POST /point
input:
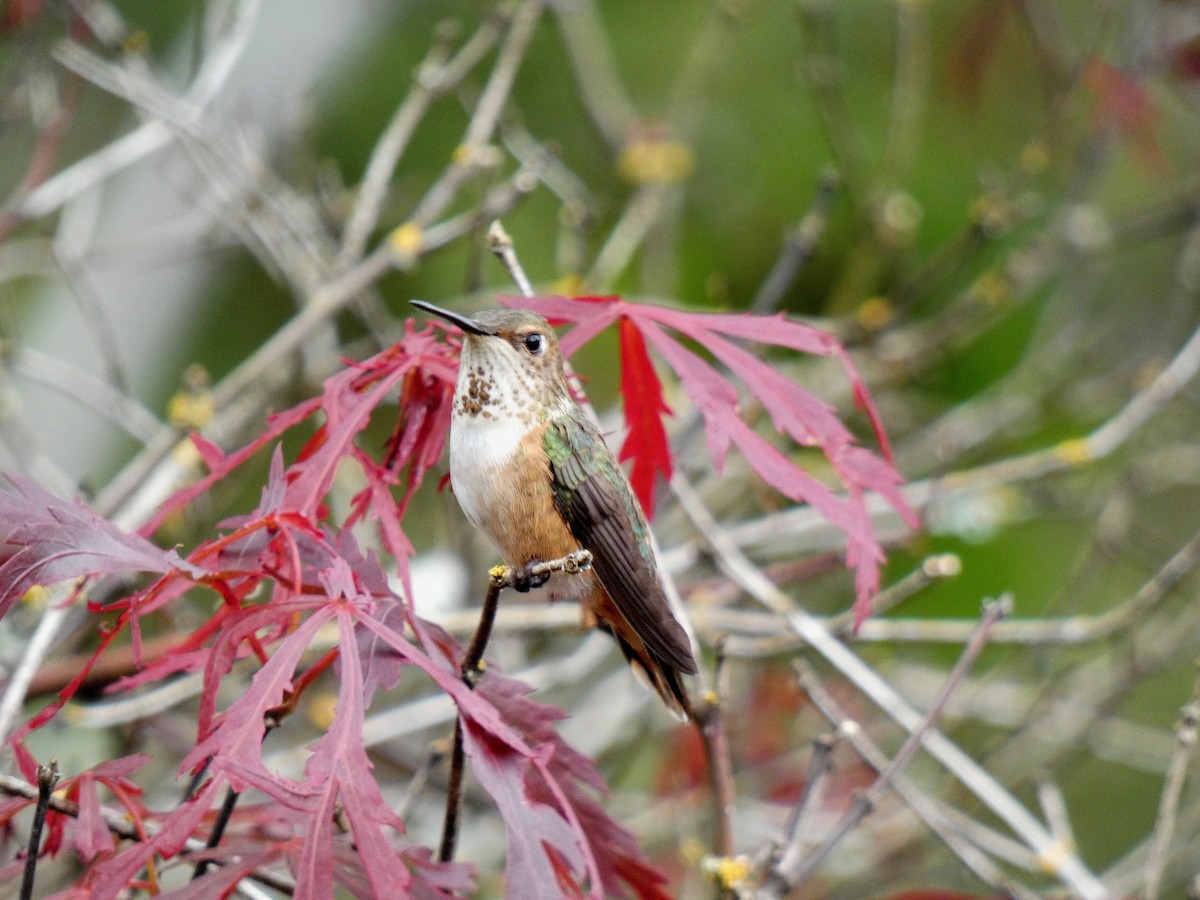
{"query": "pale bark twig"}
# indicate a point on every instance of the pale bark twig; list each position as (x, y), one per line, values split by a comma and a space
(798, 246)
(437, 74)
(1060, 861)
(866, 801)
(1168, 807)
(968, 841)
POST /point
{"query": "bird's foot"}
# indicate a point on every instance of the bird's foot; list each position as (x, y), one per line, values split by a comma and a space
(526, 578)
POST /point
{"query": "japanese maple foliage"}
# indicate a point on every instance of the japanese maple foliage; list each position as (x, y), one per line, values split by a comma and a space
(291, 568)
(795, 413)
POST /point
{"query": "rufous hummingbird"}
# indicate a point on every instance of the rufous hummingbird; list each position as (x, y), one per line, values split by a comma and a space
(533, 473)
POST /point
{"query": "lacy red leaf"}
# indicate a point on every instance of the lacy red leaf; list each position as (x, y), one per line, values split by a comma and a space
(795, 412)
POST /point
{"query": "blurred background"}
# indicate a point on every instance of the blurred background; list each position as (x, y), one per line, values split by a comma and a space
(993, 203)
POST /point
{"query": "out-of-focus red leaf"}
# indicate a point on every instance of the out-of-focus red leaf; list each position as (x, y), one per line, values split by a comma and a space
(49, 540)
(683, 763)
(529, 826)
(775, 697)
(646, 440)
(623, 869)
(338, 772)
(91, 833)
(1125, 107)
(18, 14)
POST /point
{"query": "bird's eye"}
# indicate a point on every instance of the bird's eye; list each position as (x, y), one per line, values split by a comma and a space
(535, 342)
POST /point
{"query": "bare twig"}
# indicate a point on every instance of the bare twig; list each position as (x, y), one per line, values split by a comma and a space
(485, 117)
(501, 244)
(799, 825)
(595, 71)
(710, 724)
(436, 75)
(963, 836)
(1054, 809)
(822, 71)
(47, 778)
(866, 801)
(154, 135)
(56, 612)
(1064, 864)
(224, 815)
(1168, 807)
(98, 396)
(499, 578)
(909, 88)
(640, 214)
(121, 825)
(798, 247)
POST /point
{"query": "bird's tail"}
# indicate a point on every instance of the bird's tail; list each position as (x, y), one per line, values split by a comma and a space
(649, 670)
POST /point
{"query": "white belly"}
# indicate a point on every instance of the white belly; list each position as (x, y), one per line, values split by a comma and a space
(481, 457)
(481, 451)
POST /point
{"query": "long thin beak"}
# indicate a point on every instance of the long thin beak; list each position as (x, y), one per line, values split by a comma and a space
(467, 325)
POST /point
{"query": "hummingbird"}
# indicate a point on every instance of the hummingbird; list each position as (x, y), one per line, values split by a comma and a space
(533, 473)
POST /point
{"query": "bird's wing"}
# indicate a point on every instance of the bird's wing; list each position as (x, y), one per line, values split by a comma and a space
(595, 500)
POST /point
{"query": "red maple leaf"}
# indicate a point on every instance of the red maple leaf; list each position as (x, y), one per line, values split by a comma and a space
(796, 414)
(48, 540)
(641, 395)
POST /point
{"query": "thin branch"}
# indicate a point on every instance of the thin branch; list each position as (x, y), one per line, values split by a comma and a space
(710, 724)
(120, 824)
(1054, 810)
(965, 838)
(823, 73)
(95, 395)
(909, 88)
(798, 247)
(629, 232)
(865, 801)
(485, 117)
(47, 778)
(154, 135)
(500, 243)
(1062, 862)
(224, 815)
(58, 608)
(595, 70)
(453, 796)
(471, 667)
(1168, 807)
(437, 74)
(799, 824)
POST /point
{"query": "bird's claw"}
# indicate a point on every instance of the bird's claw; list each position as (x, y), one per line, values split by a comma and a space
(526, 579)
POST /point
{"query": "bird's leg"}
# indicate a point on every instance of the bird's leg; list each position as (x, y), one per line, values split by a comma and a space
(529, 576)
